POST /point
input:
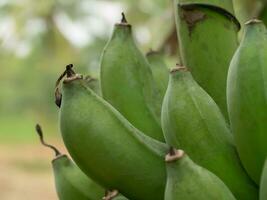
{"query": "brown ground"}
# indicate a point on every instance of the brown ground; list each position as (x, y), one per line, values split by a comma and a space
(26, 173)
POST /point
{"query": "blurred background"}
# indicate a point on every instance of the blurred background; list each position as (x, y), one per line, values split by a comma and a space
(37, 40)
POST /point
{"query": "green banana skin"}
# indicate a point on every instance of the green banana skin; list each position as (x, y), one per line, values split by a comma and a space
(263, 185)
(188, 181)
(247, 100)
(107, 147)
(71, 183)
(94, 84)
(207, 37)
(159, 70)
(127, 82)
(192, 121)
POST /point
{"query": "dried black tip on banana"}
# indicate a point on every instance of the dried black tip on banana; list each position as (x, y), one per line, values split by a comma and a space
(69, 71)
(123, 19)
(71, 75)
(58, 97)
(39, 131)
(174, 155)
(110, 194)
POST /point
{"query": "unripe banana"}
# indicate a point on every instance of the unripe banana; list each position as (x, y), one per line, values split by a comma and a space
(71, 183)
(188, 181)
(263, 185)
(192, 121)
(207, 33)
(127, 82)
(106, 146)
(159, 70)
(247, 100)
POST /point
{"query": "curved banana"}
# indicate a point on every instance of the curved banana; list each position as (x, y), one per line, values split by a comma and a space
(192, 121)
(127, 82)
(106, 146)
(71, 183)
(188, 181)
(247, 98)
(207, 33)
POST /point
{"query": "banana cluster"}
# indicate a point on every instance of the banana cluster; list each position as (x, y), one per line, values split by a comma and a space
(198, 132)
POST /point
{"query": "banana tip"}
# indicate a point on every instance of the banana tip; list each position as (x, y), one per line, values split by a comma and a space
(174, 155)
(253, 21)
(110, 194)
(179, 68)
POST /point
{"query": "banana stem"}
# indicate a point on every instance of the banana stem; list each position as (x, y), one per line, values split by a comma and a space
(70, 73)
(123, 19)
(39, 131)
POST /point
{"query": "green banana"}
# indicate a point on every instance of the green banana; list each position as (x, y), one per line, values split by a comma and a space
(106, 146)
(94, 84)
(159, 70)
(127, 82)
(192, 121)
(263, 185)
(207, 33)
(247, 100)
(188, 181)
(114, 195)
(71, 183)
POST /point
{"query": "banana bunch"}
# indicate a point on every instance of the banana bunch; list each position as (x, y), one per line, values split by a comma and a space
(143, 133)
